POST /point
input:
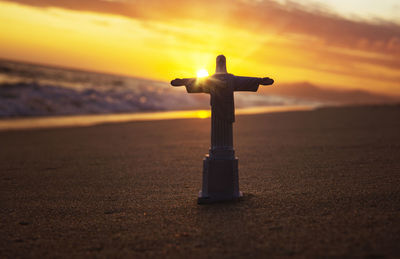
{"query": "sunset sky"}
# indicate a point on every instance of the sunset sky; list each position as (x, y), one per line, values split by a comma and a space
(353, 44)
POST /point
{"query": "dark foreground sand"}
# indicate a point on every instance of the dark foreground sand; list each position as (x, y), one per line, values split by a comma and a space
(317, 183)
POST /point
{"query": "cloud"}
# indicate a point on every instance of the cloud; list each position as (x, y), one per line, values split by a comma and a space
(257, 16)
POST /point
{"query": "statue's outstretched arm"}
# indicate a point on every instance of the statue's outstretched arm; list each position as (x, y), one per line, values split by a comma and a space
(266, 81)
(193, 85)
(183, 81)
(244, 83)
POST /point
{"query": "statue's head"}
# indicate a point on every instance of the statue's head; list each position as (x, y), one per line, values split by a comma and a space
(221, 64)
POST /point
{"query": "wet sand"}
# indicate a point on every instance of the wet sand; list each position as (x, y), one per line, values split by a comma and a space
(316, 183)
(41, 122)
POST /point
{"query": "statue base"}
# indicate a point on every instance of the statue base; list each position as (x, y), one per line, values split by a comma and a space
(220, 180)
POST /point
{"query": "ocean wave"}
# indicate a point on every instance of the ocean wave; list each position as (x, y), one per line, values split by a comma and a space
(37, 90)
(33, 99)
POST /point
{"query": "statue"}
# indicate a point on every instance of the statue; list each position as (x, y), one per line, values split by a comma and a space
(220, 166)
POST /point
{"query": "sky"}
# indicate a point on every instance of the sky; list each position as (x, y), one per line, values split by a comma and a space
(353, 44)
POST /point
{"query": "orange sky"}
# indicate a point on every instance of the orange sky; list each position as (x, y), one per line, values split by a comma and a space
(165, 39)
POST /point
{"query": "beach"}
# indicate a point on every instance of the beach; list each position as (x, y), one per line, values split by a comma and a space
(316, 183)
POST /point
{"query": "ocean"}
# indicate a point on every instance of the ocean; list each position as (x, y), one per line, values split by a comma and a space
(31, 90)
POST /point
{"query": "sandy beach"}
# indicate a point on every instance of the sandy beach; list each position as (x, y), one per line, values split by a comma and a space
(316, 183)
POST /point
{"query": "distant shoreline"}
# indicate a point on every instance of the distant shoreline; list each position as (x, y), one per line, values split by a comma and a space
(94, 119)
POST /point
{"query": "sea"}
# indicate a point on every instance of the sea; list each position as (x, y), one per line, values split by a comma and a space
(31, 91)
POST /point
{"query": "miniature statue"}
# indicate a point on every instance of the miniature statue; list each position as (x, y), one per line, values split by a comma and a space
(220, 166)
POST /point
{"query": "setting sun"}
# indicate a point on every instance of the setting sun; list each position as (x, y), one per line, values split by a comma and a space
(202, 73)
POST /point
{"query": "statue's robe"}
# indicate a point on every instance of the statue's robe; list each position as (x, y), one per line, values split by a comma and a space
(221, 87)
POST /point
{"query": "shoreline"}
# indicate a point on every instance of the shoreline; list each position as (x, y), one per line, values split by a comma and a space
(95, 119)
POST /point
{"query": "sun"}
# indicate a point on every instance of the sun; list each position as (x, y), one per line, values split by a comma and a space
(202, 73)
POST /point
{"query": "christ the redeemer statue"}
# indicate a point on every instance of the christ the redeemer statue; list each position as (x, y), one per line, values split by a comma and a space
(220, 166)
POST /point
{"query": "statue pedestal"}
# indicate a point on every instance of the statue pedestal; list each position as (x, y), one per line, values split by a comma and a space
(220, 180)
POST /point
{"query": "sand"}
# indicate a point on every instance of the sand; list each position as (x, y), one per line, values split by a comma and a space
(316, 183)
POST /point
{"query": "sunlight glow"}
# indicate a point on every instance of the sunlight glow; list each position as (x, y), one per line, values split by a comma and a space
(202, 114)
(202, 73)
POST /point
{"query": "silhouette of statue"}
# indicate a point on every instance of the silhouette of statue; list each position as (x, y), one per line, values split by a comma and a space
(220, 172)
